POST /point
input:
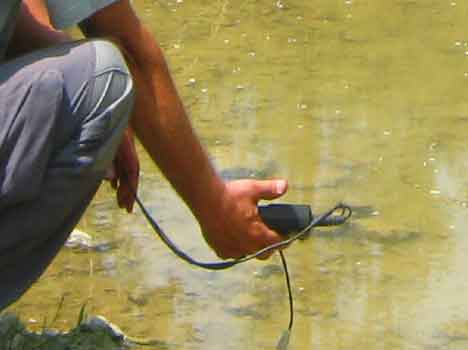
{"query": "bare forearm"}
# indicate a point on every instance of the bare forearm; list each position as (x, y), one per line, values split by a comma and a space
(159, 118)
(164, 129)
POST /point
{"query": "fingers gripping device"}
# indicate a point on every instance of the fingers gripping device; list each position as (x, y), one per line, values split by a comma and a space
(289, 218)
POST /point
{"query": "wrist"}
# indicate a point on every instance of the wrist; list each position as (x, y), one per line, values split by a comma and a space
(210, 205)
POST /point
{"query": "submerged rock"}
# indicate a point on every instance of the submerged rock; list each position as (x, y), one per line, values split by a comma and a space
(82, 241)
(364, 211)
(269, 270)
(245, 311)
(101, 324)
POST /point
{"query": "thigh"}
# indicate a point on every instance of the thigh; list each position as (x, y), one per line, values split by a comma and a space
(62, 116)
(62, 110)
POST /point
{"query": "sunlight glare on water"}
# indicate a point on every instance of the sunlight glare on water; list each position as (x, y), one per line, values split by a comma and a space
(357, 101)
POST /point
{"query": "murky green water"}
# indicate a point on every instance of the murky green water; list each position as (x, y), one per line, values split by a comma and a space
(360, 101)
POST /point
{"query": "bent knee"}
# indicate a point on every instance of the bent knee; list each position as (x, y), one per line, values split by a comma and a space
(107, 108)
(113, 84)
(109, 57)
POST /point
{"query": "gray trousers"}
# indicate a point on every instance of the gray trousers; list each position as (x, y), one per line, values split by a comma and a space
(63, 111)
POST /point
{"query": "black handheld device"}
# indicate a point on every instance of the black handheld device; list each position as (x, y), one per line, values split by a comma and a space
(289, 218)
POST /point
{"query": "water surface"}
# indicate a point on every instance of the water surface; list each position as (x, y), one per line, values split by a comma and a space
(356, 101)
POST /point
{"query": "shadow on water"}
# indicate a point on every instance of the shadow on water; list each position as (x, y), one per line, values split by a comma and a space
(359, 233)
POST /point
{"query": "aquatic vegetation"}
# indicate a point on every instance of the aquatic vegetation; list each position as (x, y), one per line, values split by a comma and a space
(15, 336)
(94, 333)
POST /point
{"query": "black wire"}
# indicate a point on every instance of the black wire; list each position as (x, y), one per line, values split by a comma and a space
(222, 265)
(288, 284)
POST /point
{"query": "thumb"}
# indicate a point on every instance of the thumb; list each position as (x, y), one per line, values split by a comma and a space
(271, 189)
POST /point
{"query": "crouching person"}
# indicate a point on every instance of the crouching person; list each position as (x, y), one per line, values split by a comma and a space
(64, 111)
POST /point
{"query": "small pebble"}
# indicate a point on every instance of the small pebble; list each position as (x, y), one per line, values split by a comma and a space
(280, 4)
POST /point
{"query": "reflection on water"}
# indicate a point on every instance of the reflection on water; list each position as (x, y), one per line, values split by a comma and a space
(358, 101)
